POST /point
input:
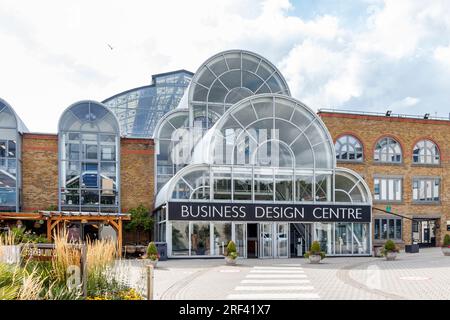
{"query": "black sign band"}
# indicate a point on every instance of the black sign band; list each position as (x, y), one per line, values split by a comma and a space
(207, 211)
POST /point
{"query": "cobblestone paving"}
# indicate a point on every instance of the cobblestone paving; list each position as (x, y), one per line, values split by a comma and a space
(425, 275)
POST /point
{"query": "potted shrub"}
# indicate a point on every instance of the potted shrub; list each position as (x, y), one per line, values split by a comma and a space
(446, 245)
(232, 254)
(152, 254)
(390, 250)
(315, 255)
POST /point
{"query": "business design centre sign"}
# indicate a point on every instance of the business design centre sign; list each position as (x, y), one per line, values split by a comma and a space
(206, 211)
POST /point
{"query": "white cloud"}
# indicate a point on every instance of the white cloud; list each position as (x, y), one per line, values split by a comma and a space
(442, 55)
(54, 54)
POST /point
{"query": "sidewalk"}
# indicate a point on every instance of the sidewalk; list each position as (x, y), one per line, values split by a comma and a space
(425, 275)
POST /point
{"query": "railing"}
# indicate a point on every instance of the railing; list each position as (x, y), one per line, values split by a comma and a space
(385, 114)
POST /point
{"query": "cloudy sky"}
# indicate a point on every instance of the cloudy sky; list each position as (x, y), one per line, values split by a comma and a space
(350, 54)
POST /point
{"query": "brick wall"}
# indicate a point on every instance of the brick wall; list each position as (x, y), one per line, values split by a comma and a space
(39, 171)
(369, 129)
(137, 178)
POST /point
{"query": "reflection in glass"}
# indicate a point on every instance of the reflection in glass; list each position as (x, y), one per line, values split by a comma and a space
(180, 238)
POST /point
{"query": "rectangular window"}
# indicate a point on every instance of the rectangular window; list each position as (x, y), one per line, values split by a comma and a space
(426, 189)
(388, 228)
(387, 189)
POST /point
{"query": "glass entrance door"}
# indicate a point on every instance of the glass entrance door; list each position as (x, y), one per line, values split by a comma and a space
(282, 240)
(239, 236)
(266, 240)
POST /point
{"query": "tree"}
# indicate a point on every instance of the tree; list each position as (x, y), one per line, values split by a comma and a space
(140, 220)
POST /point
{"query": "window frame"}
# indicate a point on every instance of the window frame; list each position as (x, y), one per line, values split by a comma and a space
(425, 179)
(380, 192)
(435, 156)
(346, 143)
(378, 221)
(389, 146)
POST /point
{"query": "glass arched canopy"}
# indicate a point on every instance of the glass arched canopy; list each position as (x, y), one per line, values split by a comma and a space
(268, 130)
(170, 132)
(235, 183)
(89, 161)
(266, 148)
(11, 128)
(227, 78)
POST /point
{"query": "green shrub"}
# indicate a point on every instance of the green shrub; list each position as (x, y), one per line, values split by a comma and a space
(231, 247)
(389, 246)
(315, 250)
(152, 251)
(447, 240)
(231, 250)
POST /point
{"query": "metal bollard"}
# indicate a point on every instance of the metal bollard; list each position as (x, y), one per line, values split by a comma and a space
(150, 271)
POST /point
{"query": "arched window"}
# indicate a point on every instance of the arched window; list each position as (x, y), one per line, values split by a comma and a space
(388, 150)
(10, 158)
(426, 152)
(89, 158)
(226, 79)
(348, 148)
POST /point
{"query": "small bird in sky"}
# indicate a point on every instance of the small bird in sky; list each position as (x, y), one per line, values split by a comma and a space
(110, 46)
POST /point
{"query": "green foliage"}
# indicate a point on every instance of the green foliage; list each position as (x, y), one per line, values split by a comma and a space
(231, 250)
(315, 250)
(152, 251)
(447, 240)
(20, 235)
(140, 219)
(389, 246)
(231, 247)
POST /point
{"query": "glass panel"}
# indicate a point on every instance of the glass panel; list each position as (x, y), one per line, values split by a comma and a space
(200, 239)
(242, 185)
(343, 238)
(266, 239)
(283, 188)
(303, 188)
(222, 235)
(89, 197)
(2, 149)
(11, 149)
(222, 185)
(70, 197)
(7, 197)
(240, 238)
(282, 239)
(398, 229)
(180, 238)
(264, 187)
(361, 238)
(324, 234)
(323, 186)
(391, 229)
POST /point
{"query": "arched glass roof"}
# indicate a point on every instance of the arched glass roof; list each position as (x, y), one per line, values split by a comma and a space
(199, 183)
(89, 116)
(227, 78)
(9, 118)
(270, 130)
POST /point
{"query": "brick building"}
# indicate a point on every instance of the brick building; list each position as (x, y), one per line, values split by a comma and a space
(86, 175)
(405, 161)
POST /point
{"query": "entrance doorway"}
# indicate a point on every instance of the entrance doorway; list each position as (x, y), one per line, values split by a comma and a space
(301, 236)
(424, 232)
(252, 240)
(274, 240)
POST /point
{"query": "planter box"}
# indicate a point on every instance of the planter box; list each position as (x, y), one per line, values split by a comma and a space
(390, 256)
(230, 261)
(412, 248)
(446, 251)
(10, 254)
(314, 258)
